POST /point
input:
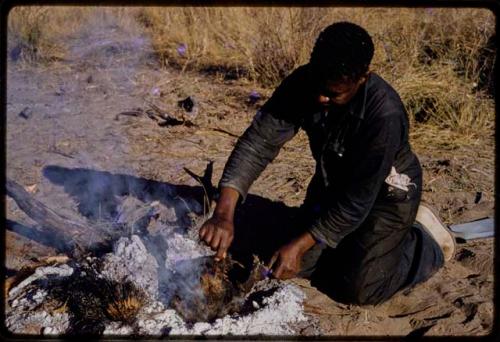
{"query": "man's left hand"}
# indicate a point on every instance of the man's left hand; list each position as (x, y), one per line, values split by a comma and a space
(286, 262)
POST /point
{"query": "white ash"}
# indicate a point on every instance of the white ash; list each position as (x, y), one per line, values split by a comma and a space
(160, 323)
(42, 272)
(276, 314)
(182, 248)
(21, 322)
(130, 260)
(276, 317)
(117, 328)
(25, 315)
(32, 299)
(58, 326)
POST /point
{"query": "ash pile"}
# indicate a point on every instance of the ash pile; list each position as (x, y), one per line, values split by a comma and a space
(155, 279)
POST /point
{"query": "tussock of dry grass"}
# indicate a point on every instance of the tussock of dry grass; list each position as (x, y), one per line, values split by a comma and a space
(124, 309)
(438, 96)
(35, 33)
(260, 43)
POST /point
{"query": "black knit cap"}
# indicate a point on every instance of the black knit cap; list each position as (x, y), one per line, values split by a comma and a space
(342, 49)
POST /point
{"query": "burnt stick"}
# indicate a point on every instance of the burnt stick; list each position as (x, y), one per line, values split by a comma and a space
(70, 231)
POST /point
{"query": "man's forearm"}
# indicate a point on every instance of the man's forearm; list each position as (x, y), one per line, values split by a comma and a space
(226, 204)
(305, 241)
(254, 150)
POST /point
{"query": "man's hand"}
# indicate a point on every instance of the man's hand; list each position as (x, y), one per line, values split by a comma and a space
(286, 262)
(218, 233)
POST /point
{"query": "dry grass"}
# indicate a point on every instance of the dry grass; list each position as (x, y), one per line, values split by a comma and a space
(440, 60)
(124, 300)
(124, 309)
(36, 33)
(436, 95)
(261, 43)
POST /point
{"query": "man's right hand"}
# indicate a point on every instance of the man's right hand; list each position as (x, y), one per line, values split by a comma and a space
(218, 232)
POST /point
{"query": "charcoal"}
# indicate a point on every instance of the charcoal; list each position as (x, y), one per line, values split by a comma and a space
(93, 300)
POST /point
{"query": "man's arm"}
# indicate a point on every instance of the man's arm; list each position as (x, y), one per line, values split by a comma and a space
(255, 149)
(274, 125)
(373, 159)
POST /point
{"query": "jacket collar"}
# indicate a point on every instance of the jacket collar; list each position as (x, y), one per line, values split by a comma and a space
(357, 105)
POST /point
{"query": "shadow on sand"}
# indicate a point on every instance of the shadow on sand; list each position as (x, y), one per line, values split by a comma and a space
(261, 225)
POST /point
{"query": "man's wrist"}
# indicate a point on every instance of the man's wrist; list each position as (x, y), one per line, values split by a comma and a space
(226, 204)
(305, 241)
(224, 212)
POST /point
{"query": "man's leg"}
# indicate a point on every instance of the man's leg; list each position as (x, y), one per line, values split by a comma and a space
(386, 254)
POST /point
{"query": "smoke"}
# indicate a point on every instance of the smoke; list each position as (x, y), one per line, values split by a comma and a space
(184, 282)
(112, 49)
(115, 45)
(99, 193)
(158, 213)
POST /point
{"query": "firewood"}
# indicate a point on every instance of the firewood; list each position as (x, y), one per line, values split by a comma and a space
(210, 191)
(25, 272)
(74, 234)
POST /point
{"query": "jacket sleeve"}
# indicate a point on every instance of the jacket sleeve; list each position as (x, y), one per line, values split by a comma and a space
(275, 124)
(369, 165)
(255, 149)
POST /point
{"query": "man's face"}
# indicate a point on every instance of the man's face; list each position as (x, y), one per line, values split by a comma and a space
(340, 92)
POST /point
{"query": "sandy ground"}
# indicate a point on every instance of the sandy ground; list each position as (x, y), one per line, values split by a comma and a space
(72, 108)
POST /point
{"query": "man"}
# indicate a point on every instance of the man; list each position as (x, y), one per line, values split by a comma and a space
(358, 241)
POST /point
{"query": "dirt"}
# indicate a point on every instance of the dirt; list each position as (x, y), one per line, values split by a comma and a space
(72, 124)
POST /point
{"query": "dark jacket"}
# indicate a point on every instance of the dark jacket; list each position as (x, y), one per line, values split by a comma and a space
(354, 148)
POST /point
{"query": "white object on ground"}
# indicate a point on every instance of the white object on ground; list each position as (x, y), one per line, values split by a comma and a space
(479, 229)
(42, 272)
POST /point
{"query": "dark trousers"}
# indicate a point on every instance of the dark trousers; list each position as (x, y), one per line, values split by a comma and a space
(387, 253)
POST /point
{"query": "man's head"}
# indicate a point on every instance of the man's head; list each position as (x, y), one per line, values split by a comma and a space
(340, 61)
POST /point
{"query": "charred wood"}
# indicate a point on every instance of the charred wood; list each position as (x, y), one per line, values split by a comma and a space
(158, 115)
(205, 181)
(222, 288)
(73, 234)
(40, 235)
